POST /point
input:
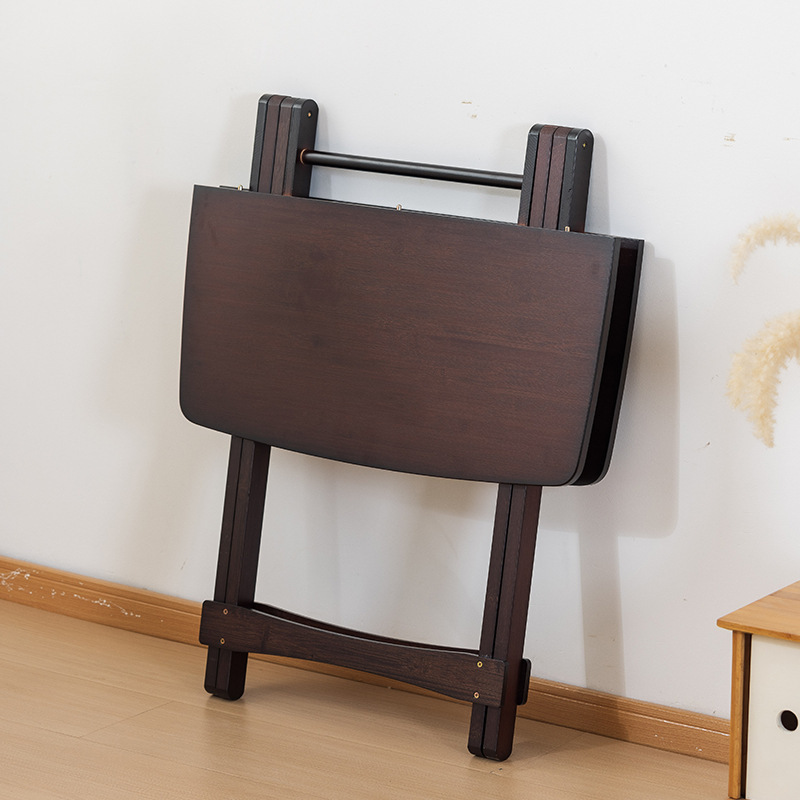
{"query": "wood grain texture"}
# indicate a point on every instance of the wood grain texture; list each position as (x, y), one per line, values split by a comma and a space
(541, 176)
(99, 601)
(777, 615)
(237, 563)
(264, 152)
(505, 615)
(169, 618)
(555, 179)
(663, 727)
(299, 734)
(740, 693)
(460, 674)
(413, 342)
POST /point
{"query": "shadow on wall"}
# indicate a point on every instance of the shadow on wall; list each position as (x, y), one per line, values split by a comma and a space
(141, 402)
(639, 496)
(171, 466)
(376, 550)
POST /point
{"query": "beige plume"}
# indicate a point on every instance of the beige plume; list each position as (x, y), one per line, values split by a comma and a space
(755, 370)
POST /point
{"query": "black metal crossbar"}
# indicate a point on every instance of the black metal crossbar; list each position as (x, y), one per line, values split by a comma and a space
(477, 177)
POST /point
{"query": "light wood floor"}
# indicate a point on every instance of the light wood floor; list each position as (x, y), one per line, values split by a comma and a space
(94, 712)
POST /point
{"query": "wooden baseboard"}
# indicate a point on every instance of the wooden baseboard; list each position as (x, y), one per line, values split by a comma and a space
(178, 620)
(635, 721)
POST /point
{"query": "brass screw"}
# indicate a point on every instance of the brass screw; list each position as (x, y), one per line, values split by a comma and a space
(476, 695)
(225, 611)
(222, 641)
(480, 664)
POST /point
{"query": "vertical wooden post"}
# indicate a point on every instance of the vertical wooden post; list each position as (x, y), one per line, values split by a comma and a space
(555, 190)
(239, 546)
(284, 126)
(740, 693)
(505, 615)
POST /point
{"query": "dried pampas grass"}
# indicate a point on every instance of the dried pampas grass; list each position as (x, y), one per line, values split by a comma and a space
(755, 371)
(769, 230)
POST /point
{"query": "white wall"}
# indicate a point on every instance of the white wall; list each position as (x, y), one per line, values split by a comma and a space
(111, 112)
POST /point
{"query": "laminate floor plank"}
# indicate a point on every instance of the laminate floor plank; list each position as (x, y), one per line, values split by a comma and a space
(116, 658)
(94, 712)
(595, 766)
(250, 746)
(51, 765)
(64, 704)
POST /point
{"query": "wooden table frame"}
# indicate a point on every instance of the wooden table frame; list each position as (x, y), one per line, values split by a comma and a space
(405, 341)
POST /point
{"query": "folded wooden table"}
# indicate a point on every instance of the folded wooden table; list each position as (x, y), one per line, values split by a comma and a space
(407, 341)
